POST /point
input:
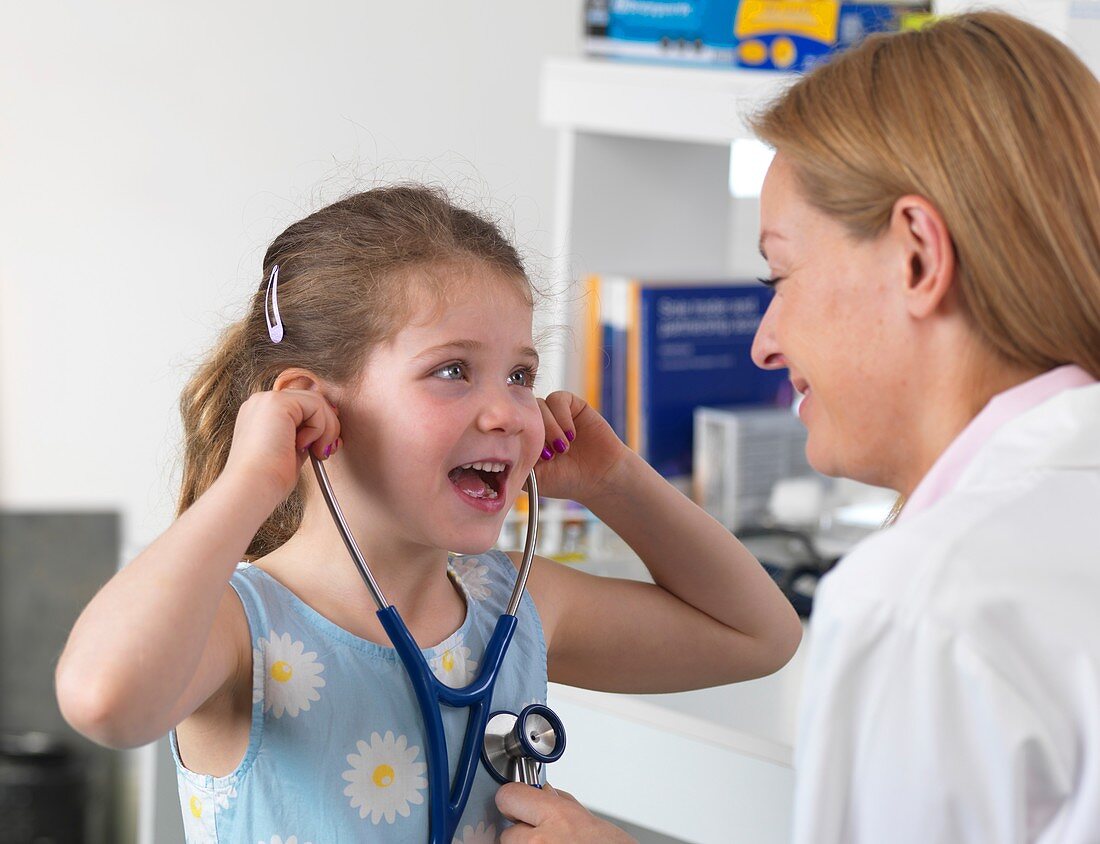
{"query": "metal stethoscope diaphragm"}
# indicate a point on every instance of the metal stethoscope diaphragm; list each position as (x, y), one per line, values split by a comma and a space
(517, 746)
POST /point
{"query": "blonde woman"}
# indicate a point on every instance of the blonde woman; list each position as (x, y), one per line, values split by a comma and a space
(931, 223)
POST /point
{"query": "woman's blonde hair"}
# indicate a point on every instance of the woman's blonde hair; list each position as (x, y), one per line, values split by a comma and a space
(349, 276)
(997, 124)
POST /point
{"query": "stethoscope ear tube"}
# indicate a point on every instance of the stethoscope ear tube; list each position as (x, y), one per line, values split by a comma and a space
(528, 543)
(345, 533)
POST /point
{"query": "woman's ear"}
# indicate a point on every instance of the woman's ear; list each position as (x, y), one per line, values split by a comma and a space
(929, 254)
(297, 378)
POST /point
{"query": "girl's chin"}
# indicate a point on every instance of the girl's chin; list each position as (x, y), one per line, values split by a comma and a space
(471, 547)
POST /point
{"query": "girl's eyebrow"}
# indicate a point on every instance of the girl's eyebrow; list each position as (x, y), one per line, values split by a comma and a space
(472, 346)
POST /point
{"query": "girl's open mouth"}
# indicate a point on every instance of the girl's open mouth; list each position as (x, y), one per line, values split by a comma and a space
(483, 480)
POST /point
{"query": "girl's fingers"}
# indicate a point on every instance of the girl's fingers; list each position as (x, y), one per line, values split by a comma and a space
(561, 404)
(319, 431)
(556, 439)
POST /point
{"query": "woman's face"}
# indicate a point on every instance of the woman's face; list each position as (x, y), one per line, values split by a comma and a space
(838, 324)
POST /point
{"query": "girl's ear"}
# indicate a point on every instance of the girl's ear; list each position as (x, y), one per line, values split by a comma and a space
(929, 254)
(296, 378)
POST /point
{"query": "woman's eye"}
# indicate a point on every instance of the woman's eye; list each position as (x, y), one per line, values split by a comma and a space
(772, 281)
(451, 372)
(522, 378)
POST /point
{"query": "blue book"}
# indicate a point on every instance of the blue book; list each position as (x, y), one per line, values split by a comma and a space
(694, 348)
(686, 347)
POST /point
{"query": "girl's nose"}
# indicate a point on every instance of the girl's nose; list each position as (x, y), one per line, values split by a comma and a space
(765, 347)
(500, 411)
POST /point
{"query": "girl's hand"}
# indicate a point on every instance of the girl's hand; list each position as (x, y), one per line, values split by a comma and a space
(581, 450)
(275, 432)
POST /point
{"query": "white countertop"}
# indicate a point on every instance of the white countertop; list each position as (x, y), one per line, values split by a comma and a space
(756, 717)
(711, 765)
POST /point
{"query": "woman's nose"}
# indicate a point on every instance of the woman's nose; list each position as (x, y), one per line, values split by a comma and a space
(765, 347)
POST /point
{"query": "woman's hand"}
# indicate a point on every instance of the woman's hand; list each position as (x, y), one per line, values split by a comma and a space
(274, 433)
(547, 816)
(581, 450)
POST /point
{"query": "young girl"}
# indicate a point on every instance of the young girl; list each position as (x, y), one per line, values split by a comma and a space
(391, 337)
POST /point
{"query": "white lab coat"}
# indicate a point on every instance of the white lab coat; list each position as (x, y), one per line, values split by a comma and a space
(953, 685)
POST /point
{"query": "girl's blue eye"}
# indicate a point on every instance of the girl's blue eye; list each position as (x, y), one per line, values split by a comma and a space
(524, 377)
(451, 372)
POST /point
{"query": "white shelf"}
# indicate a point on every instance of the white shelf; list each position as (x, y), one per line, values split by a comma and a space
(605, 96)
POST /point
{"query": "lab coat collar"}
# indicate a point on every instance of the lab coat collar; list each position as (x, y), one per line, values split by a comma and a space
(1062, 432)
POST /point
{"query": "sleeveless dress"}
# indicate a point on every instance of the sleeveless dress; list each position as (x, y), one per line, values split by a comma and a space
(336, 750)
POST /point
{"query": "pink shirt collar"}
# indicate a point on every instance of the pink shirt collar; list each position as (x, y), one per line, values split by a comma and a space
(949, 466)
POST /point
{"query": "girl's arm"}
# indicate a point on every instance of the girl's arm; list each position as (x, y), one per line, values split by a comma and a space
(167, 632)
(713, 615)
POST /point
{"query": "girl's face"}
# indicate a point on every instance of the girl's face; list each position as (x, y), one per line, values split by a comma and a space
(443, 426)
(835, 322)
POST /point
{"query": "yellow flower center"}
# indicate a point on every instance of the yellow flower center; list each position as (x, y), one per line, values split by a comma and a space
(383, 776)
(449, 661)
(281, 671)
(196, 807)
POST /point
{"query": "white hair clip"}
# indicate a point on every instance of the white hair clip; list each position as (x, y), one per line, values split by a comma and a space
(275, 329)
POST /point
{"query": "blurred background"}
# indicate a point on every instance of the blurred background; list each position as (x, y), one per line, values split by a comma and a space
(149, 153)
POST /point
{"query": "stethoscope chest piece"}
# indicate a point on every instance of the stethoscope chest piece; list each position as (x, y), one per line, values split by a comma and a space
(517, 746)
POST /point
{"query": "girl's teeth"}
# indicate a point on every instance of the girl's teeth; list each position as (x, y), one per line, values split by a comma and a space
(484, 467)
(489, 493)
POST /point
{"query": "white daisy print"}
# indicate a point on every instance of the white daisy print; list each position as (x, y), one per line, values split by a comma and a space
(453, 665)
(481, 835)
(474, 576)
(222, 796)
(291, 677)
(385, 779)
(198, 814)
(279, 840)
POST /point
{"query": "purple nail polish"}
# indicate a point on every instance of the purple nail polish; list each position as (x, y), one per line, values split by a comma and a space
(328, 449)
(547, 454)
(559, 446)
(570, 435)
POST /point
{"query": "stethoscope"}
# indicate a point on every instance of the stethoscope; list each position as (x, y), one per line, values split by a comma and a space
(513, 747)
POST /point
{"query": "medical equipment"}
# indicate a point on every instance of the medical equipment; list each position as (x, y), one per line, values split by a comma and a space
(516, 746)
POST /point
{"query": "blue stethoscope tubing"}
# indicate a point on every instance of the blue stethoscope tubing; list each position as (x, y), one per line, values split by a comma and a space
(444, 814)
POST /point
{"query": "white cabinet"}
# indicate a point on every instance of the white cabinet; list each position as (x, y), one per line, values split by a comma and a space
(706, 767)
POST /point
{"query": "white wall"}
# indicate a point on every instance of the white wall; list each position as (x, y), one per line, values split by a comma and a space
(150, 152)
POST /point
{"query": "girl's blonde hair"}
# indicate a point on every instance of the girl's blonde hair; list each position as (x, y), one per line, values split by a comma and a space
(997, 124)
(349, 276)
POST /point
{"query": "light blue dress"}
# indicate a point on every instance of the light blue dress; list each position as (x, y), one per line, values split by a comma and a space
(336, 751)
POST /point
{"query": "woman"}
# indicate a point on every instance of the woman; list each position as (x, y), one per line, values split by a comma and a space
(932, 225)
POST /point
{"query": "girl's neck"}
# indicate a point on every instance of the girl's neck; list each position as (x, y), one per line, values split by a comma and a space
(315, 564)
